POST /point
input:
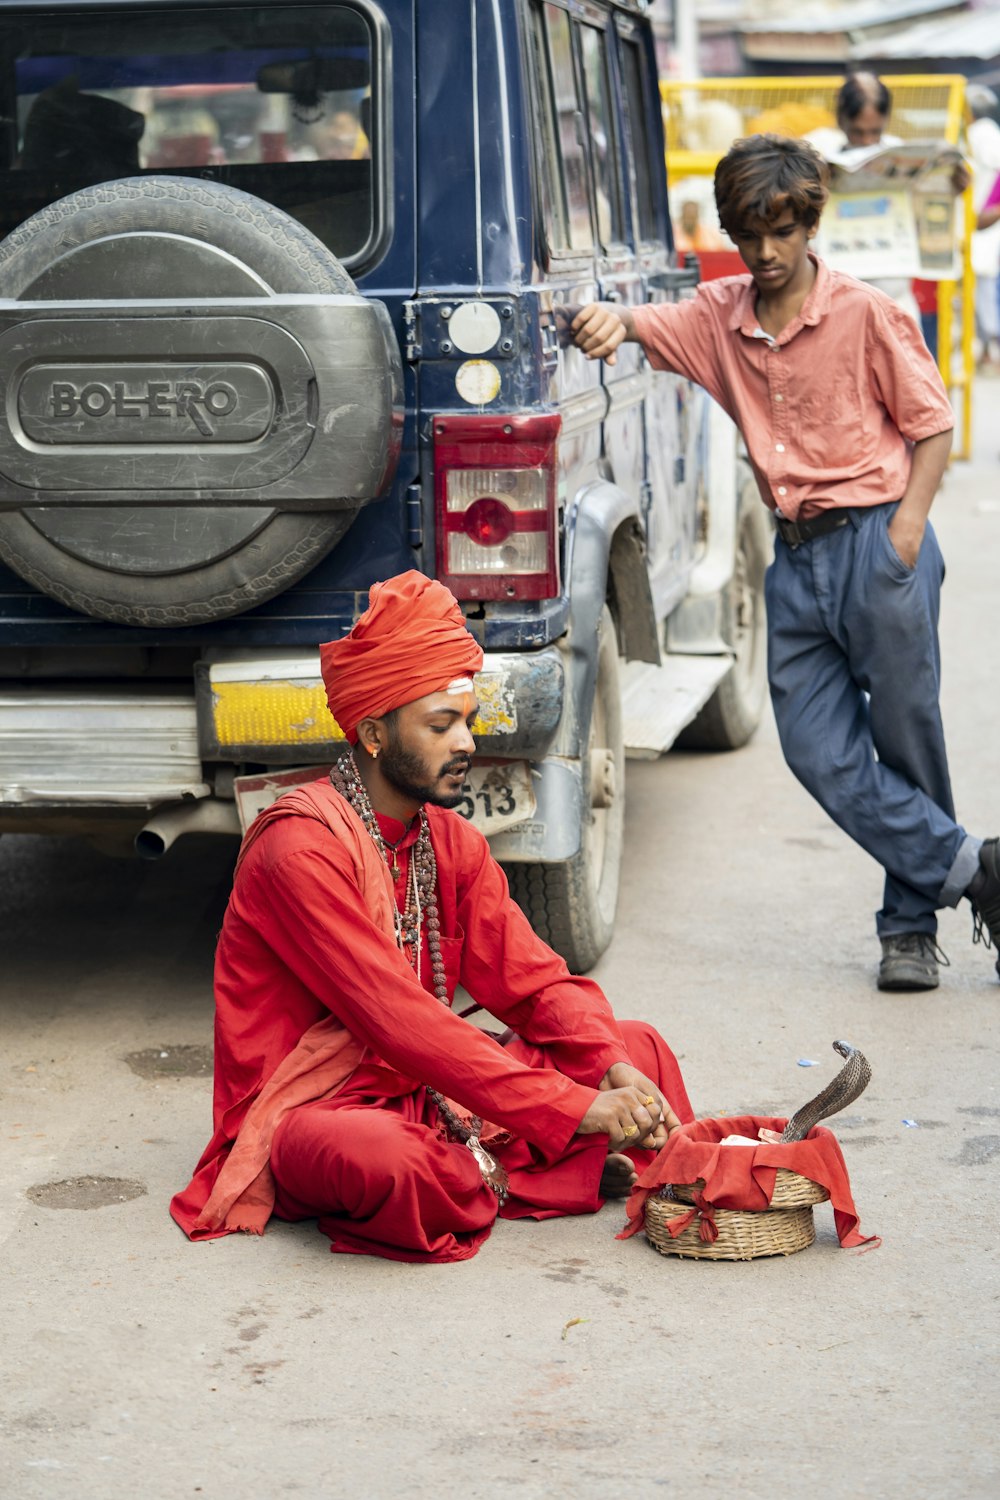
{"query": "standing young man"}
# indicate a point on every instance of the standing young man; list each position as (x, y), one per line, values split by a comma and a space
(848, 427)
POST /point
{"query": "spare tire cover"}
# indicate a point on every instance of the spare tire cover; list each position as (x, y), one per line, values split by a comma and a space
(146, 563)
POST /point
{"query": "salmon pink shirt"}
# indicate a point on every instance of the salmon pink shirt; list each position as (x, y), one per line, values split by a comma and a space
(829, 409)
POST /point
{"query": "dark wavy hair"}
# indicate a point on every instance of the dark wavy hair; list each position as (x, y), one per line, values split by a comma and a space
(763, 175)
(859, 90)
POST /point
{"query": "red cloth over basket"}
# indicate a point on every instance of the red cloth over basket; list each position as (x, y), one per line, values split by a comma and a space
(742, 1177)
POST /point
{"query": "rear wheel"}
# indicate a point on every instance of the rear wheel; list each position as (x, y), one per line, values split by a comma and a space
(734, 710)
(572, 905)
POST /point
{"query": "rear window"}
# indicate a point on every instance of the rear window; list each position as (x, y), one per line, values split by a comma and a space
(282, 101)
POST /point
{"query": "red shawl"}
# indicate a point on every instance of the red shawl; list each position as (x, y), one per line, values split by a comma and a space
(233, 1187)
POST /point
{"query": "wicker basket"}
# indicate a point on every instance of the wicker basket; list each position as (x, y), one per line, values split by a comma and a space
(786, 1226)
(742, 1235)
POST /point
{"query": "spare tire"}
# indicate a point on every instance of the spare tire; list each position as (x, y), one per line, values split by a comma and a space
(187, 463)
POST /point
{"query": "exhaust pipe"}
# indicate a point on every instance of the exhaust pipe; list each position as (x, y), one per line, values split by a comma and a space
(210, 816)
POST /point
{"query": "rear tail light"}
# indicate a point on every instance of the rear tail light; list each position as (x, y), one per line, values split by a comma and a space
(495, 479)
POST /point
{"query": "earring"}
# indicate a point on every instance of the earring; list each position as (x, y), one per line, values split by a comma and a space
(374, 752)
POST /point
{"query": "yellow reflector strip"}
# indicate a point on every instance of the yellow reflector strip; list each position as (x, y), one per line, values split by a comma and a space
(497, 714)
(273, 713)
(279, 712)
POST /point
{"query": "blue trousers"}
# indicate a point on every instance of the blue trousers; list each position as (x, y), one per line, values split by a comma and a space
(855, 672)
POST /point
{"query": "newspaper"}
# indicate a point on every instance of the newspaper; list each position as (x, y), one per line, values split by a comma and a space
(892, 211)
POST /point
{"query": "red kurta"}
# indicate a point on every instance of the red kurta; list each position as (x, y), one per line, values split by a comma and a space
(299, 944)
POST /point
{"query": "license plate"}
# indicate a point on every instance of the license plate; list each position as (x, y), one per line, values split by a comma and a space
(496, 794)
(254, 793)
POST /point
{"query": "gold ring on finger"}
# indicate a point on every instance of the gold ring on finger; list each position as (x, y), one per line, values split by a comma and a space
(649, 1099)
(630, 1130)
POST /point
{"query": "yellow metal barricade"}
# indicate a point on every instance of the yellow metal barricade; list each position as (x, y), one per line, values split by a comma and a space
(702, 118)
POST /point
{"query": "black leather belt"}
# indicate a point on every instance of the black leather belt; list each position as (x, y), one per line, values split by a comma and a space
(794, 533)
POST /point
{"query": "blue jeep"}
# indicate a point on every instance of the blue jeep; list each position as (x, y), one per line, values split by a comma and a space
(284, 297)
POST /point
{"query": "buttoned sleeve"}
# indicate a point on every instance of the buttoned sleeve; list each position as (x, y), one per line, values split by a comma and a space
(903, 374)
(685, 337)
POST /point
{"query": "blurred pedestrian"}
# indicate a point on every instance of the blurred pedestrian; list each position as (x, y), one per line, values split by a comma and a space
(863, 107)
(691, 234)
(984, 147)
(989, 214)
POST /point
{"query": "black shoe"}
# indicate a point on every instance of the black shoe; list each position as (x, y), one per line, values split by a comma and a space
(986, 900)
(909, 962)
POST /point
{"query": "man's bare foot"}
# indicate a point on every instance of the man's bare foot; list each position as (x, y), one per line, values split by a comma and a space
(618, 1176)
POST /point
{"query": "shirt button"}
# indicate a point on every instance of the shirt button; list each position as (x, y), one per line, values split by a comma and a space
(779, 396)
(782, 490)
(779, 447)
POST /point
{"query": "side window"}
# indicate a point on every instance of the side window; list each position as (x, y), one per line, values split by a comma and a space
(549, 156)
(563, 124)
(640, 143)
(604, 156)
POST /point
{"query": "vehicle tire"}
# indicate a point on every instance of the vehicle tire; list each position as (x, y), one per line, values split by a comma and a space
(178, 565)
(734, 710)
(572, 905)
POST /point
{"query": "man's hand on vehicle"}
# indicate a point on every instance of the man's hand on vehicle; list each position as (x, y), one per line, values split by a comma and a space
(598, 329)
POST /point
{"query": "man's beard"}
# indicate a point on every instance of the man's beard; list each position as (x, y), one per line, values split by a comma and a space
(411, 775)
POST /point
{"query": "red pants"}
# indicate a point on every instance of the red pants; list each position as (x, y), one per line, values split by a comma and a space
(381, 1178)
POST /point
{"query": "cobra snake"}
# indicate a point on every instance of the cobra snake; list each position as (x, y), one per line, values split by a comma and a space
(852, 1080)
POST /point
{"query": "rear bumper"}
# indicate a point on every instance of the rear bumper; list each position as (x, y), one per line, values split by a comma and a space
(130, 747)
(90, 746)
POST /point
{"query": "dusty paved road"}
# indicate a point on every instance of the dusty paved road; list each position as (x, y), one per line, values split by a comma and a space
(560, 1361)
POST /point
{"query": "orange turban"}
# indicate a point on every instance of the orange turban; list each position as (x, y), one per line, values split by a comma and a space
(411, 640)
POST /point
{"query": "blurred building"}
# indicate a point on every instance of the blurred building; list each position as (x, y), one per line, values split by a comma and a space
(775, 38)
(968, 44)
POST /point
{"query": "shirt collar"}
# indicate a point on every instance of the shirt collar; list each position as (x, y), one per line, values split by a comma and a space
(816, 306)
(396, 832)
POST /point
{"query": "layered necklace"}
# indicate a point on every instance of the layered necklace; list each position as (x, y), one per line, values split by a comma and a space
(420, 911)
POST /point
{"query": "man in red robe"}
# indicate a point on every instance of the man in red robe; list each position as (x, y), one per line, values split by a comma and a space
(346, 1087)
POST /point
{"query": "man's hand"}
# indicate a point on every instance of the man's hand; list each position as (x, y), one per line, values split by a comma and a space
(907, 527)
(906, 537)
(624, 1117)
(631, 1109)
(624, 1075)
(598, 330)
